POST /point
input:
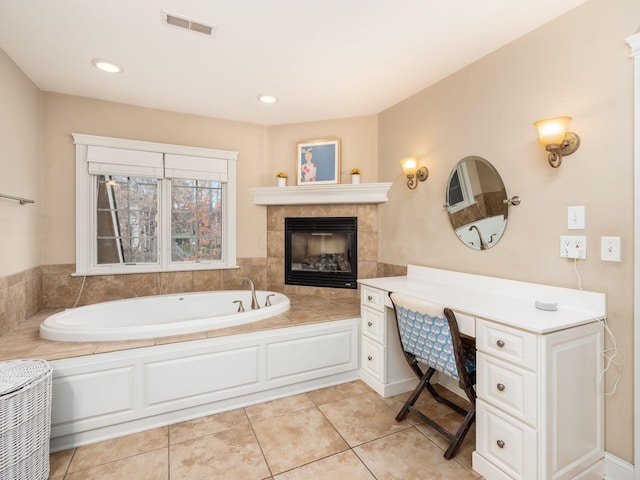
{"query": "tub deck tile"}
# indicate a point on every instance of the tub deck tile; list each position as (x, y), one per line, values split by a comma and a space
(24, 341)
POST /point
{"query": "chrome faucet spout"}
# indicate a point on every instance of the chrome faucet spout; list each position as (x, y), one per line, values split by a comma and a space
(254, 300)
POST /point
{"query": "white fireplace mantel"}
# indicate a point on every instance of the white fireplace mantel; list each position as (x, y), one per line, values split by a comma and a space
(319, 194)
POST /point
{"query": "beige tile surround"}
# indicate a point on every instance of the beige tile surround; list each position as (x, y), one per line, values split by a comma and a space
(20, 295)
(367, 215)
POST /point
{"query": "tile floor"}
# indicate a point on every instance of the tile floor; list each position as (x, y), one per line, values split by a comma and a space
(341, 432)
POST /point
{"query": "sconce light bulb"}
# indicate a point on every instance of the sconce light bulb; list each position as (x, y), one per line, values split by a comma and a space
(552, 130)
(409, 165)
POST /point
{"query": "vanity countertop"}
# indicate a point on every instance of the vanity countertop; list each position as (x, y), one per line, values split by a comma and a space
(504, 301)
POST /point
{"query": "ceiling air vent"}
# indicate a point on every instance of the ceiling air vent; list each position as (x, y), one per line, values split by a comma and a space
(188, 24)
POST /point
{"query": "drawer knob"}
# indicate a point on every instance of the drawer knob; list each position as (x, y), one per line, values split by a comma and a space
(500, 387)
(369, 297)
(500, 443)
(369, 358)
(500, 343)
(369, 323)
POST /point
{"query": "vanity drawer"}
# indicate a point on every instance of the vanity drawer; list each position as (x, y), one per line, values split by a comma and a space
(508, 444)
(372, 360)
(512, 389)
(373, 324)
(373, 298)
(509, 344)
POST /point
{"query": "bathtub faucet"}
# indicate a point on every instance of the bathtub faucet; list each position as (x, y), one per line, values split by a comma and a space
(254, 300)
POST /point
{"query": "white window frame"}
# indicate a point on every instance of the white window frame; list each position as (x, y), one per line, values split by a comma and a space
(468, 198)
(86, 212)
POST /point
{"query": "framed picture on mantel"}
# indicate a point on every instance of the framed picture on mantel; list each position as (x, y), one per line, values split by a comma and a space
(318, 162)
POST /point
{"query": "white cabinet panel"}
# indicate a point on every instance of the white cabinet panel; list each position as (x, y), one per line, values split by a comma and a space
(110, 391)
(510, 388)
(509, 344)
(373, 324)
(373, 359)
(180, 378)
(301, 356)
(373, 298)
(506, 442)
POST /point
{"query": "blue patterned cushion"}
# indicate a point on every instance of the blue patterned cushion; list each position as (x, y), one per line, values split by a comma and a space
(428, 337)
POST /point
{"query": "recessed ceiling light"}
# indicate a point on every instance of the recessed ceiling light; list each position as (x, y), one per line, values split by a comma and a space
(267, 98)
(106, 65)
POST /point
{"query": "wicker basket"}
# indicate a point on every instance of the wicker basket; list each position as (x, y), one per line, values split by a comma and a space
(25, 419)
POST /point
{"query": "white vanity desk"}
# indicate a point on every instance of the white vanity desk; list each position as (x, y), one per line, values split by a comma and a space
(539, 408)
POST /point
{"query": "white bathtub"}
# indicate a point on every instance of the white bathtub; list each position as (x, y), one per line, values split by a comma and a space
(159, 316)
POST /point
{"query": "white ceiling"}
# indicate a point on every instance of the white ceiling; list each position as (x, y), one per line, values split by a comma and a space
(323, 59)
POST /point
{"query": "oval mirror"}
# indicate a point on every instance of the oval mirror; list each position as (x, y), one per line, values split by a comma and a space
(477, 203)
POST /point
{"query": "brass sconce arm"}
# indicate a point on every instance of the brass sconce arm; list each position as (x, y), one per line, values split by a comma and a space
(413, 173)
(567, 147)
(413, 178)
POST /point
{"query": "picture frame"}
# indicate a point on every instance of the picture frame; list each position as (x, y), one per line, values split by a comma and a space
(318, 162)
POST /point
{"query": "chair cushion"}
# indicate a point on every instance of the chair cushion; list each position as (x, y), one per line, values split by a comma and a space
(424, 332)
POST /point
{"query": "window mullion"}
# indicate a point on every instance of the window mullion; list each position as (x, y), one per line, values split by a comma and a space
(164, 217)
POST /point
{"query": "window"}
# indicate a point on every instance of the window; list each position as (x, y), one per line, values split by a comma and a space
(147, 207)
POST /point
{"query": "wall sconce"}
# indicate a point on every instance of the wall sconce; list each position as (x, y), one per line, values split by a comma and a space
(413, 173)
(555, 138)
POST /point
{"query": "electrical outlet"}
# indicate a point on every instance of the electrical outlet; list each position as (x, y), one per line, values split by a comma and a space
(573, 246)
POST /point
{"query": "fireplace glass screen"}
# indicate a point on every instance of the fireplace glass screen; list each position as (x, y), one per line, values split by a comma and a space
(321, 251)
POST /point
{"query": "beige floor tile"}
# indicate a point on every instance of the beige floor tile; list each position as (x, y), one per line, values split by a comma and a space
(276, 408)
(426, 404)
(231, 454)
(451, 422)
(362, 418)
(119, 448)
(199, 427)
(409, 455)
(147, 466)
(338, 392)
(341, 465)
(296, 439)
(59, 462)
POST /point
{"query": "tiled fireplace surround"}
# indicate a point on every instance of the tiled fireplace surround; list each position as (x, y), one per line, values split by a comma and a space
(52, 286)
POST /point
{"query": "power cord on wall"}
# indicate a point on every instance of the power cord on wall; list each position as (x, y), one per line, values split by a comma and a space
(610, 353)
(84, 279)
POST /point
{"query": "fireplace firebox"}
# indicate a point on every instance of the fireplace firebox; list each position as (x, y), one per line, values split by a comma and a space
(321, 252)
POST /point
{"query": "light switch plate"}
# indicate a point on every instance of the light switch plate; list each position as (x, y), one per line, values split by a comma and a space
(576, 218)
(610, 249)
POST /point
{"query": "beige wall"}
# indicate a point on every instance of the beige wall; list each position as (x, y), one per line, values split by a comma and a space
(20, 169)
(359, 148)
(576, 65)
(263, 152)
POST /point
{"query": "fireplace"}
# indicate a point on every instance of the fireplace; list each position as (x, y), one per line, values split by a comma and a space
(321, 252)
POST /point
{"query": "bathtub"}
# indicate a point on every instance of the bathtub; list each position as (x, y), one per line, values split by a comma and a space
(160, 316)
